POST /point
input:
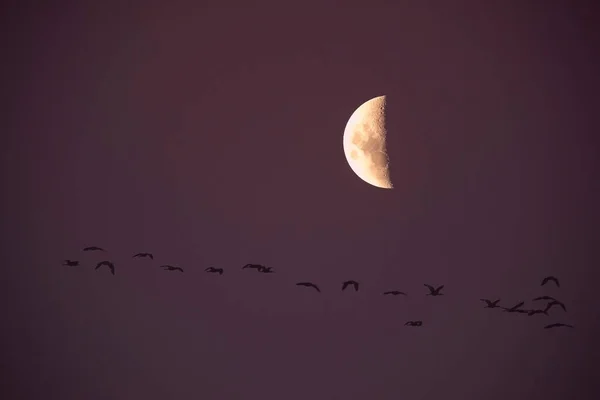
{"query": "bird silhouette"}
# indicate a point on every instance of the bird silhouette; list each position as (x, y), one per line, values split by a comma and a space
(515, 308)
(93, 248)
(253, 266)
(491, 304)
(266, 270)
(144, 255)
(414, 323)
(544, 298)
(71, 263)
(171, 268)
(353, 283)
(433, 291)
(215, 270)
(394, 293)
(557, 325)
(309, 284)
(555, 303)
(108, 264)
(550, 278)
(534, 312)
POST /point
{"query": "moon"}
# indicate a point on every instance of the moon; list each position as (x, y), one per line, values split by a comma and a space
(365, 144)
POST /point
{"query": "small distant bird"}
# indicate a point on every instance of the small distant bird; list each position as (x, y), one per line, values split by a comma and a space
(71, 263)
(353, 283)
(491, 304)
(171, 268)
(414, 323)
(108, 264)
(515, 308)
(309, 284)
(394, 293)
(544, 298)
(557, 325)
(266, 270)
(433, 291)
(555, 303)
(550, 278)
(144, 255)
(93, 248)
(533, 312)
(254, 266)
(215, 270)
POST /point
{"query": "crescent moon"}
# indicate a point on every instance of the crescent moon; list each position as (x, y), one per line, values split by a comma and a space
(365, 143)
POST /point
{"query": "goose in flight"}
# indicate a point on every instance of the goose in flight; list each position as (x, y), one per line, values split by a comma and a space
(555, 303)
(550, 278)
(253, 266)
(71, 263)
(309, 284)
(93, 248)
(534, 312)
(414, 323)
(215, 270)
(348, 283)
(491, 304)
(544, 298)
(144, 255)
(434, 291)
(171, 268)
(394, 293)
(266, 270)
(516, 308)
(108, 264)
(557, 325)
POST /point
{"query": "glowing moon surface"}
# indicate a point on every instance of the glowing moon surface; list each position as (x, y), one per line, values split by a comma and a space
(365, 143)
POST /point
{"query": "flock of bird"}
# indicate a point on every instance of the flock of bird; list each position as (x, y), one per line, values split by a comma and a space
(551, 302)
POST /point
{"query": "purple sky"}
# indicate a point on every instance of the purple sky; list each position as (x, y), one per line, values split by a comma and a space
(213, 137)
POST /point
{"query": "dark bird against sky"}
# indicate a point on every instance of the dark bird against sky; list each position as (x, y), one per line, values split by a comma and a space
(394, 293)
(144, 255)
(107, 264)
(171, 268)
(93, 248)
(309, 284)
(434, 291)
(414, 323)
(550, 279)
(491, 304)
(215, 270)
(71, 263)
(558, 325)
(555, 303)
(348, 283)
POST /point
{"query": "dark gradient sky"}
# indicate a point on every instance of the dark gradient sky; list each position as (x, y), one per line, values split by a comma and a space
(214, 137)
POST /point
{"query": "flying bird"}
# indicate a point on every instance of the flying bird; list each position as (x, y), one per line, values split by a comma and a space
(353, 283)
(215, 270)
(108, 264)
(394, 293)
(254, 266)
(71, 263)
(414, 323)
(557, 325)
(171, 268)
(434, 292)
(544, 298)
(491, 304)
(515, 308)
(533, 312)
(550, 278)
(93, 248)
(555, 303)
(266, 270)
(309, 284)
(144, 255)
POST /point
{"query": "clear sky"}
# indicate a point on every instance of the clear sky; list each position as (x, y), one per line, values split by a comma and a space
(213, 137)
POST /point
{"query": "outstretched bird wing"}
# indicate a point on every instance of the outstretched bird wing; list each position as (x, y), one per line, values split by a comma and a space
(439, 288)
(178, 269)
(521, 304)
(550, 278)
(431, 288)
(93, 248)
(345, 285)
